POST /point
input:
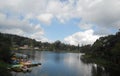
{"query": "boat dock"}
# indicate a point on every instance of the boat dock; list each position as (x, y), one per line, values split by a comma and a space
(20, 63)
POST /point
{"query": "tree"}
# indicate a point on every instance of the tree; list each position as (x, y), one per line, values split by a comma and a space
(5, 44)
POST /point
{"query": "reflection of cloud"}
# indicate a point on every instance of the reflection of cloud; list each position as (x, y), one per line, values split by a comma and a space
(70, 59)
(62, 63)
(39, 56)
(73, 61)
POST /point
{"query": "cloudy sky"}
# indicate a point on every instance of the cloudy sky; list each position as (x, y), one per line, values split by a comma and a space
(71, 21)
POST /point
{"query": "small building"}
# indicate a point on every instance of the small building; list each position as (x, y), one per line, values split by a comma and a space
(36, 48)
(24, 47)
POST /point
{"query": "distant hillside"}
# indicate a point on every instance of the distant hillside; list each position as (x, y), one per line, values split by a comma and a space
(19, 41)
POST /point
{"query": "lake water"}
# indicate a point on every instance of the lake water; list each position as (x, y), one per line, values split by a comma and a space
(61, 64)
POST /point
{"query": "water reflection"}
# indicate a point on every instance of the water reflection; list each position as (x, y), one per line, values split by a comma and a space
(72, 60)
(98, 71)
(62, 64)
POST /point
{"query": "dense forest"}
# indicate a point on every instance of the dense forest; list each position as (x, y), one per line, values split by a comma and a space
(105, 48)
(5, 45)
(5, 53)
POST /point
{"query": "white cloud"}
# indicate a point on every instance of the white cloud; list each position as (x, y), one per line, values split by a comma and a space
(21, 27)
(2, 16)
(13, 31)
(82, 38)
(85, 26)
(45, 18)
(39, 37)
(104, 14)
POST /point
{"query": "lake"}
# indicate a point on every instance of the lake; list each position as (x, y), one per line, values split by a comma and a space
(61, 64)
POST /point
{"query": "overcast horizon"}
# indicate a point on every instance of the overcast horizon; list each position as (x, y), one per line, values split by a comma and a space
(70, 21)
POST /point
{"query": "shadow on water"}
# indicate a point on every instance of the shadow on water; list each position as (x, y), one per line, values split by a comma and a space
(101, 70)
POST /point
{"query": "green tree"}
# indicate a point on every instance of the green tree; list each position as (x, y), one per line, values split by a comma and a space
(5, 44)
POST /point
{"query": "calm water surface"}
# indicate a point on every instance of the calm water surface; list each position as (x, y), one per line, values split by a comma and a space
(61, 64)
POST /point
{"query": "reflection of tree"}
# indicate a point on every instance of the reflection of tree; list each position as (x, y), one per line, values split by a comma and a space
(98, 71)
(108, 70)
(32, 55)
(113, 71)
(57, 57)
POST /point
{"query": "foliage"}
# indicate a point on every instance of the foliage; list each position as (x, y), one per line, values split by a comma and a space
(18, 41)
(5, 54)
(85, 48)
(107, 48)
(3, 69)
(5, 45)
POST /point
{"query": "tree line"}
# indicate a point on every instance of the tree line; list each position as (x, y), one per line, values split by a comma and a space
(17, 41)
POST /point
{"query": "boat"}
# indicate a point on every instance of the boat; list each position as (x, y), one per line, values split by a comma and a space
(26, 69)
(16, 68)
(35, 63)
(21, 64)
(29, 63)
(21, 68)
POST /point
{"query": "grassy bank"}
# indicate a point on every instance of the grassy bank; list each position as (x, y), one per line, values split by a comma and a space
(3, 69)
